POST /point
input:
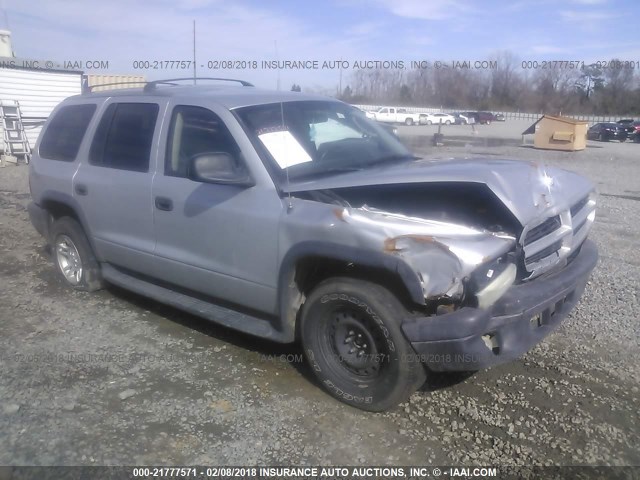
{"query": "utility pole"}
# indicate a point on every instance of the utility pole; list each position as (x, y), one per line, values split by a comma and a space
(275, 42)
(194, 52)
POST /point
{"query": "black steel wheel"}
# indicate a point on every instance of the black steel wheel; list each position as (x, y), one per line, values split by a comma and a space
(351, 336)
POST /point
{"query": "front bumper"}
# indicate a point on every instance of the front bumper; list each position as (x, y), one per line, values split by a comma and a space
(472, 338)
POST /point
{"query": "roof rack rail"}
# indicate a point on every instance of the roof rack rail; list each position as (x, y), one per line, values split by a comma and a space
(171, 81)
(89, 88)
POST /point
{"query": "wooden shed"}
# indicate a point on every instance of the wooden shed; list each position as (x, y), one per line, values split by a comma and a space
(559, 133)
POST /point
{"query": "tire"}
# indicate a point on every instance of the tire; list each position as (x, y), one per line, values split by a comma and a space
(73, 257)
(429, 122)
(448, 122)
(601, 138)
(351, 336)
(408, 122)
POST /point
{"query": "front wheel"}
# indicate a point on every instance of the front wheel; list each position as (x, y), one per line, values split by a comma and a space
(351, 336)
(408, 122)
(448, 122)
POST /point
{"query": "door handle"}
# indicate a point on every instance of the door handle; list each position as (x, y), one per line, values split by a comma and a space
(164, 203)
(81, 189)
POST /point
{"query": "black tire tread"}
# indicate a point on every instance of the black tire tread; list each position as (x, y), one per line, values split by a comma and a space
(390, 310)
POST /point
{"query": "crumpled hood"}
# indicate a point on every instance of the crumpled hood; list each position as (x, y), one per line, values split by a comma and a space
(527, 189)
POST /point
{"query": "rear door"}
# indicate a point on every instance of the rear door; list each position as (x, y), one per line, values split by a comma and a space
(113, 185)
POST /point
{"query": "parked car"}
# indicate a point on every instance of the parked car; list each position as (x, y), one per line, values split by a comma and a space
(461, 118)
(436, 118)
(293, 217)
(607, 131)
(395, 115)
(484, 118)
(632, 127)
(499, 117)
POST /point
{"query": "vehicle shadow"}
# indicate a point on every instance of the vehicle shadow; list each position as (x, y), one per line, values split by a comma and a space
(435, 380)
(440, 380)
(214, 330)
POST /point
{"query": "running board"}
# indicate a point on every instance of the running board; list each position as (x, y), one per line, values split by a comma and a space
(215, 313)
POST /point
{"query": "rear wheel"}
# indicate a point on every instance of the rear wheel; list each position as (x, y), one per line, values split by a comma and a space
(73, 257)
(429, 122)
(352, 339)
(448, 122)
(408, 122)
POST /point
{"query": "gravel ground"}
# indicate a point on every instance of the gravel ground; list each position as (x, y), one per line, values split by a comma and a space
(112, 378)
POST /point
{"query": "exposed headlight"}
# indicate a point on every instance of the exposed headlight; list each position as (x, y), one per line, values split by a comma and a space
(492, 292)
(491, 280)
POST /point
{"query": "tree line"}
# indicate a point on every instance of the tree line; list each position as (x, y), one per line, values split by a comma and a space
(589, 89)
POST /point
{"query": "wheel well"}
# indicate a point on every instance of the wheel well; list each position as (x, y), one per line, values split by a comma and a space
(311, 271)
(58, 209)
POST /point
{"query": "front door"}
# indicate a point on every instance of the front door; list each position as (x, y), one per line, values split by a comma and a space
(219, 240)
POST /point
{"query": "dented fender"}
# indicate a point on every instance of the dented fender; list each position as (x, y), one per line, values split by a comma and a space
(432, 257)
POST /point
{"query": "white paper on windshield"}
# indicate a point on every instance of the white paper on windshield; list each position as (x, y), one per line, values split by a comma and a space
(284, 148)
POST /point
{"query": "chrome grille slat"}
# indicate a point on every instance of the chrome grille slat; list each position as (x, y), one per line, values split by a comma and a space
(578, 205)
(547, 240)
(545, 252)
(580, 216)
(545, 228)
(551, 241)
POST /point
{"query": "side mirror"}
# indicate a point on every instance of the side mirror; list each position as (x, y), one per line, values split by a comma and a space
(218, 167)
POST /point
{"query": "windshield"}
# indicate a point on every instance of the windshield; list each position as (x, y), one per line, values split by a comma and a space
(315, 138)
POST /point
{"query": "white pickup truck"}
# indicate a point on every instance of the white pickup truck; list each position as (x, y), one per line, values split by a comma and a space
(395, 115)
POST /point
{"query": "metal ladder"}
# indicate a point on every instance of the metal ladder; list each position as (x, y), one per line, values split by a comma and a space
(15, 141)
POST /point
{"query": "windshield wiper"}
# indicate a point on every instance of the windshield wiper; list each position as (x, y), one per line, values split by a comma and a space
(326, 171)
(394, 157)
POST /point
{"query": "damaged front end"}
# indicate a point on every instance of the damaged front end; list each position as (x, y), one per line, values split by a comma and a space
(476, 302)
(457, 240)
(454, 263)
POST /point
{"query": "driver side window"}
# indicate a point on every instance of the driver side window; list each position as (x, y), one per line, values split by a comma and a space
(194, 131)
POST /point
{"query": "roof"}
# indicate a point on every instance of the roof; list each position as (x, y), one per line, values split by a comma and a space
(229, 96)
(568, 120)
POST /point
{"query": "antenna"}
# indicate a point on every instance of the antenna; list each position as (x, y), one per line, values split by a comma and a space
(286, 170)
(194, 53)
(4, 14)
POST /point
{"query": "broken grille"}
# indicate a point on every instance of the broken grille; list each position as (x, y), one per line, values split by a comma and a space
(553, 239)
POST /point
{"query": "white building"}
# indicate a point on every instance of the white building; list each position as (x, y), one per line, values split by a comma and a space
(36, 84)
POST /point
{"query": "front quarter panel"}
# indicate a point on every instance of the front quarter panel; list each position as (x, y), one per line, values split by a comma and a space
(439, 254)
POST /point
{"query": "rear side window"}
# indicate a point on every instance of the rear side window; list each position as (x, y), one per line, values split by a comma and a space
(64, 134)
(123, 138)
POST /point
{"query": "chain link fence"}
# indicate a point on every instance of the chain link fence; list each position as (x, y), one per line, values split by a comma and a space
(508, 115)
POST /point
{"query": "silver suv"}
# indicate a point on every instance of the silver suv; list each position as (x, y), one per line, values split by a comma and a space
(295, 218)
